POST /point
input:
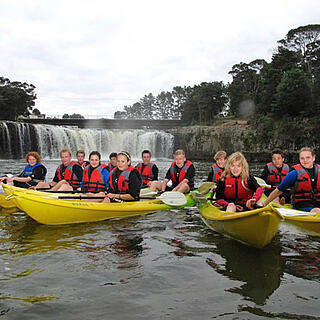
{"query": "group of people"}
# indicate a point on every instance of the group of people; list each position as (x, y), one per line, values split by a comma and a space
(116, 181)
(235, 190)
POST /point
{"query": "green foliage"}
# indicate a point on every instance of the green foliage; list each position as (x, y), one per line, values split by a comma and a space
(73, 116)
(16, 99)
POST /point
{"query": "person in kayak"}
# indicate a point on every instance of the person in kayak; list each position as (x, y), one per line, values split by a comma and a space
(80, 158)
(237, 190)
(67, 176)
(32, 174)
(95, 176)
(124, 181)
(304, 180)
(217, 168)
(181, 173)
(113, 161)
(274, 172)
(147, 169)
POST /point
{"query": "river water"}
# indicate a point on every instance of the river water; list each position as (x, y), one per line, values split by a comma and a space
(166, 265)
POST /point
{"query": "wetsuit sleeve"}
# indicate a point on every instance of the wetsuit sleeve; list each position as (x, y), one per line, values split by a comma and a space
(210, 176)
(288, 181)
(265, 173)
(191, 173)
(106, 174)
(220, 194)
(168, 175)
(39, 173)
(155, 172)
(135, 184)
(78, 171)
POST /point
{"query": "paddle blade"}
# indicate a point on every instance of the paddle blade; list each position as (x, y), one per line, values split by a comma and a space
(173, 198)
(262, 183)
(206, 187)
(197, 196)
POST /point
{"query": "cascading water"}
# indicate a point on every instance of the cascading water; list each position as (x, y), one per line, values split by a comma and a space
(17, 138)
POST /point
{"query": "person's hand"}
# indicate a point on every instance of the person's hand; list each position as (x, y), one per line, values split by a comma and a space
(239, 208)
(250, 203)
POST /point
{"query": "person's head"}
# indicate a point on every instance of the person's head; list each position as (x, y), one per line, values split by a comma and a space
(94, 159)
(32, 158)
(113, 158)
(220, 158)
(80, 155)
(65, 155)
(146, 156)
(123, 160)
(179, 157)
(236, 166)
(277, 158)
(307, 157)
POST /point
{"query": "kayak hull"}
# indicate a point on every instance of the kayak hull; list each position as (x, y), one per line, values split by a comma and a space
(255, 228)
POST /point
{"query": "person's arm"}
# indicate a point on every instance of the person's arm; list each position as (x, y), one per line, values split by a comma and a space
(265, 173)
(78, 171)
(39, 173)
(220, 194)
(155, 172)
(210, 176)
(106, 174)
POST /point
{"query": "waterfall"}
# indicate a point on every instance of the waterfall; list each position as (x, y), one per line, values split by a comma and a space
(17, 138)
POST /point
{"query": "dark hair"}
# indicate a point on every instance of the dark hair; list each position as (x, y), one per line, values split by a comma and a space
(95, 153)
(126, 154)
(277, 151)
(112, 155)
(145, 151)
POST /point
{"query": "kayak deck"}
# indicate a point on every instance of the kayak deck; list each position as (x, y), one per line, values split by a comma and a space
(255, 228)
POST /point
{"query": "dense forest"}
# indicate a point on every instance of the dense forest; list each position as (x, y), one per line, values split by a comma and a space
(286, 87)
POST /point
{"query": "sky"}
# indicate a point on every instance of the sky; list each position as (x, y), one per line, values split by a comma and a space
(94, 57)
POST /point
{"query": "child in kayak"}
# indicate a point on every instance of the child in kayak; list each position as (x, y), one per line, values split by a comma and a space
(217, 168)
(124, 181)
(32, 174)
(273, 173)
(181, 173)
(147, 169)
(237, 190)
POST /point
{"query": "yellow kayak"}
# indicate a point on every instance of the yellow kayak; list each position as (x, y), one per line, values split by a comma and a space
(255, 228)
(302, 219)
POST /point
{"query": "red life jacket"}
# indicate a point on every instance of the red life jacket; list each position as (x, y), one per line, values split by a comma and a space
(237, 190)
(147, 173)
(303, 191)
(275, 177)
(216, 172)
(68, 174)
(110, 166)
(84, 164)
(122, 185)
(182, 173)
(94, 183)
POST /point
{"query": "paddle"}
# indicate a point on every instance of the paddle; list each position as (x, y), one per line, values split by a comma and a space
(206, 187)
(286, 212)
(171, 198)
(262, 183)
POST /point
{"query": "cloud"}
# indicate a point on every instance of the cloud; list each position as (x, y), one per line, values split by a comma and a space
(95, 57)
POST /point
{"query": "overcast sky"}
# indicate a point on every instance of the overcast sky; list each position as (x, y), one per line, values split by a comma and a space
(93, 57)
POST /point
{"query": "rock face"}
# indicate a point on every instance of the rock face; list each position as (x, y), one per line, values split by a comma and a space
(202, 142)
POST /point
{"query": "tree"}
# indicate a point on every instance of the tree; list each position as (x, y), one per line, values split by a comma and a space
(16, 99)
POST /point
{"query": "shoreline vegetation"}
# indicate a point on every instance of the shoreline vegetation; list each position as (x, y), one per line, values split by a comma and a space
(266, 105)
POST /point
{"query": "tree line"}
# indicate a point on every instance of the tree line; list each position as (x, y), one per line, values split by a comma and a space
(288, 86)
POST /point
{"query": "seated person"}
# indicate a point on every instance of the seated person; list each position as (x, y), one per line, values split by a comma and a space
(67, 176)
(147, 169)
(113, 161)
(124, 181)
(217, 168)
(32, 174)
(274, 172)
(237, 190)
(80, 157)
(181, 173)
(95, 176)
(305, 183)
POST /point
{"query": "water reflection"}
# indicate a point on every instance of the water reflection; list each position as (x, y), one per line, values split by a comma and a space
(259, 270)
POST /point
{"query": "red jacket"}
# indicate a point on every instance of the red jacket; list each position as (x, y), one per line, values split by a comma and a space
(68, 174)
(94, 183)
(237, 190)
(146, 173)
(275, 177)
(122, 185)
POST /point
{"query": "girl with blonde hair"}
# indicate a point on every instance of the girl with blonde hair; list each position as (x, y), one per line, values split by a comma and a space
(237, 190)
